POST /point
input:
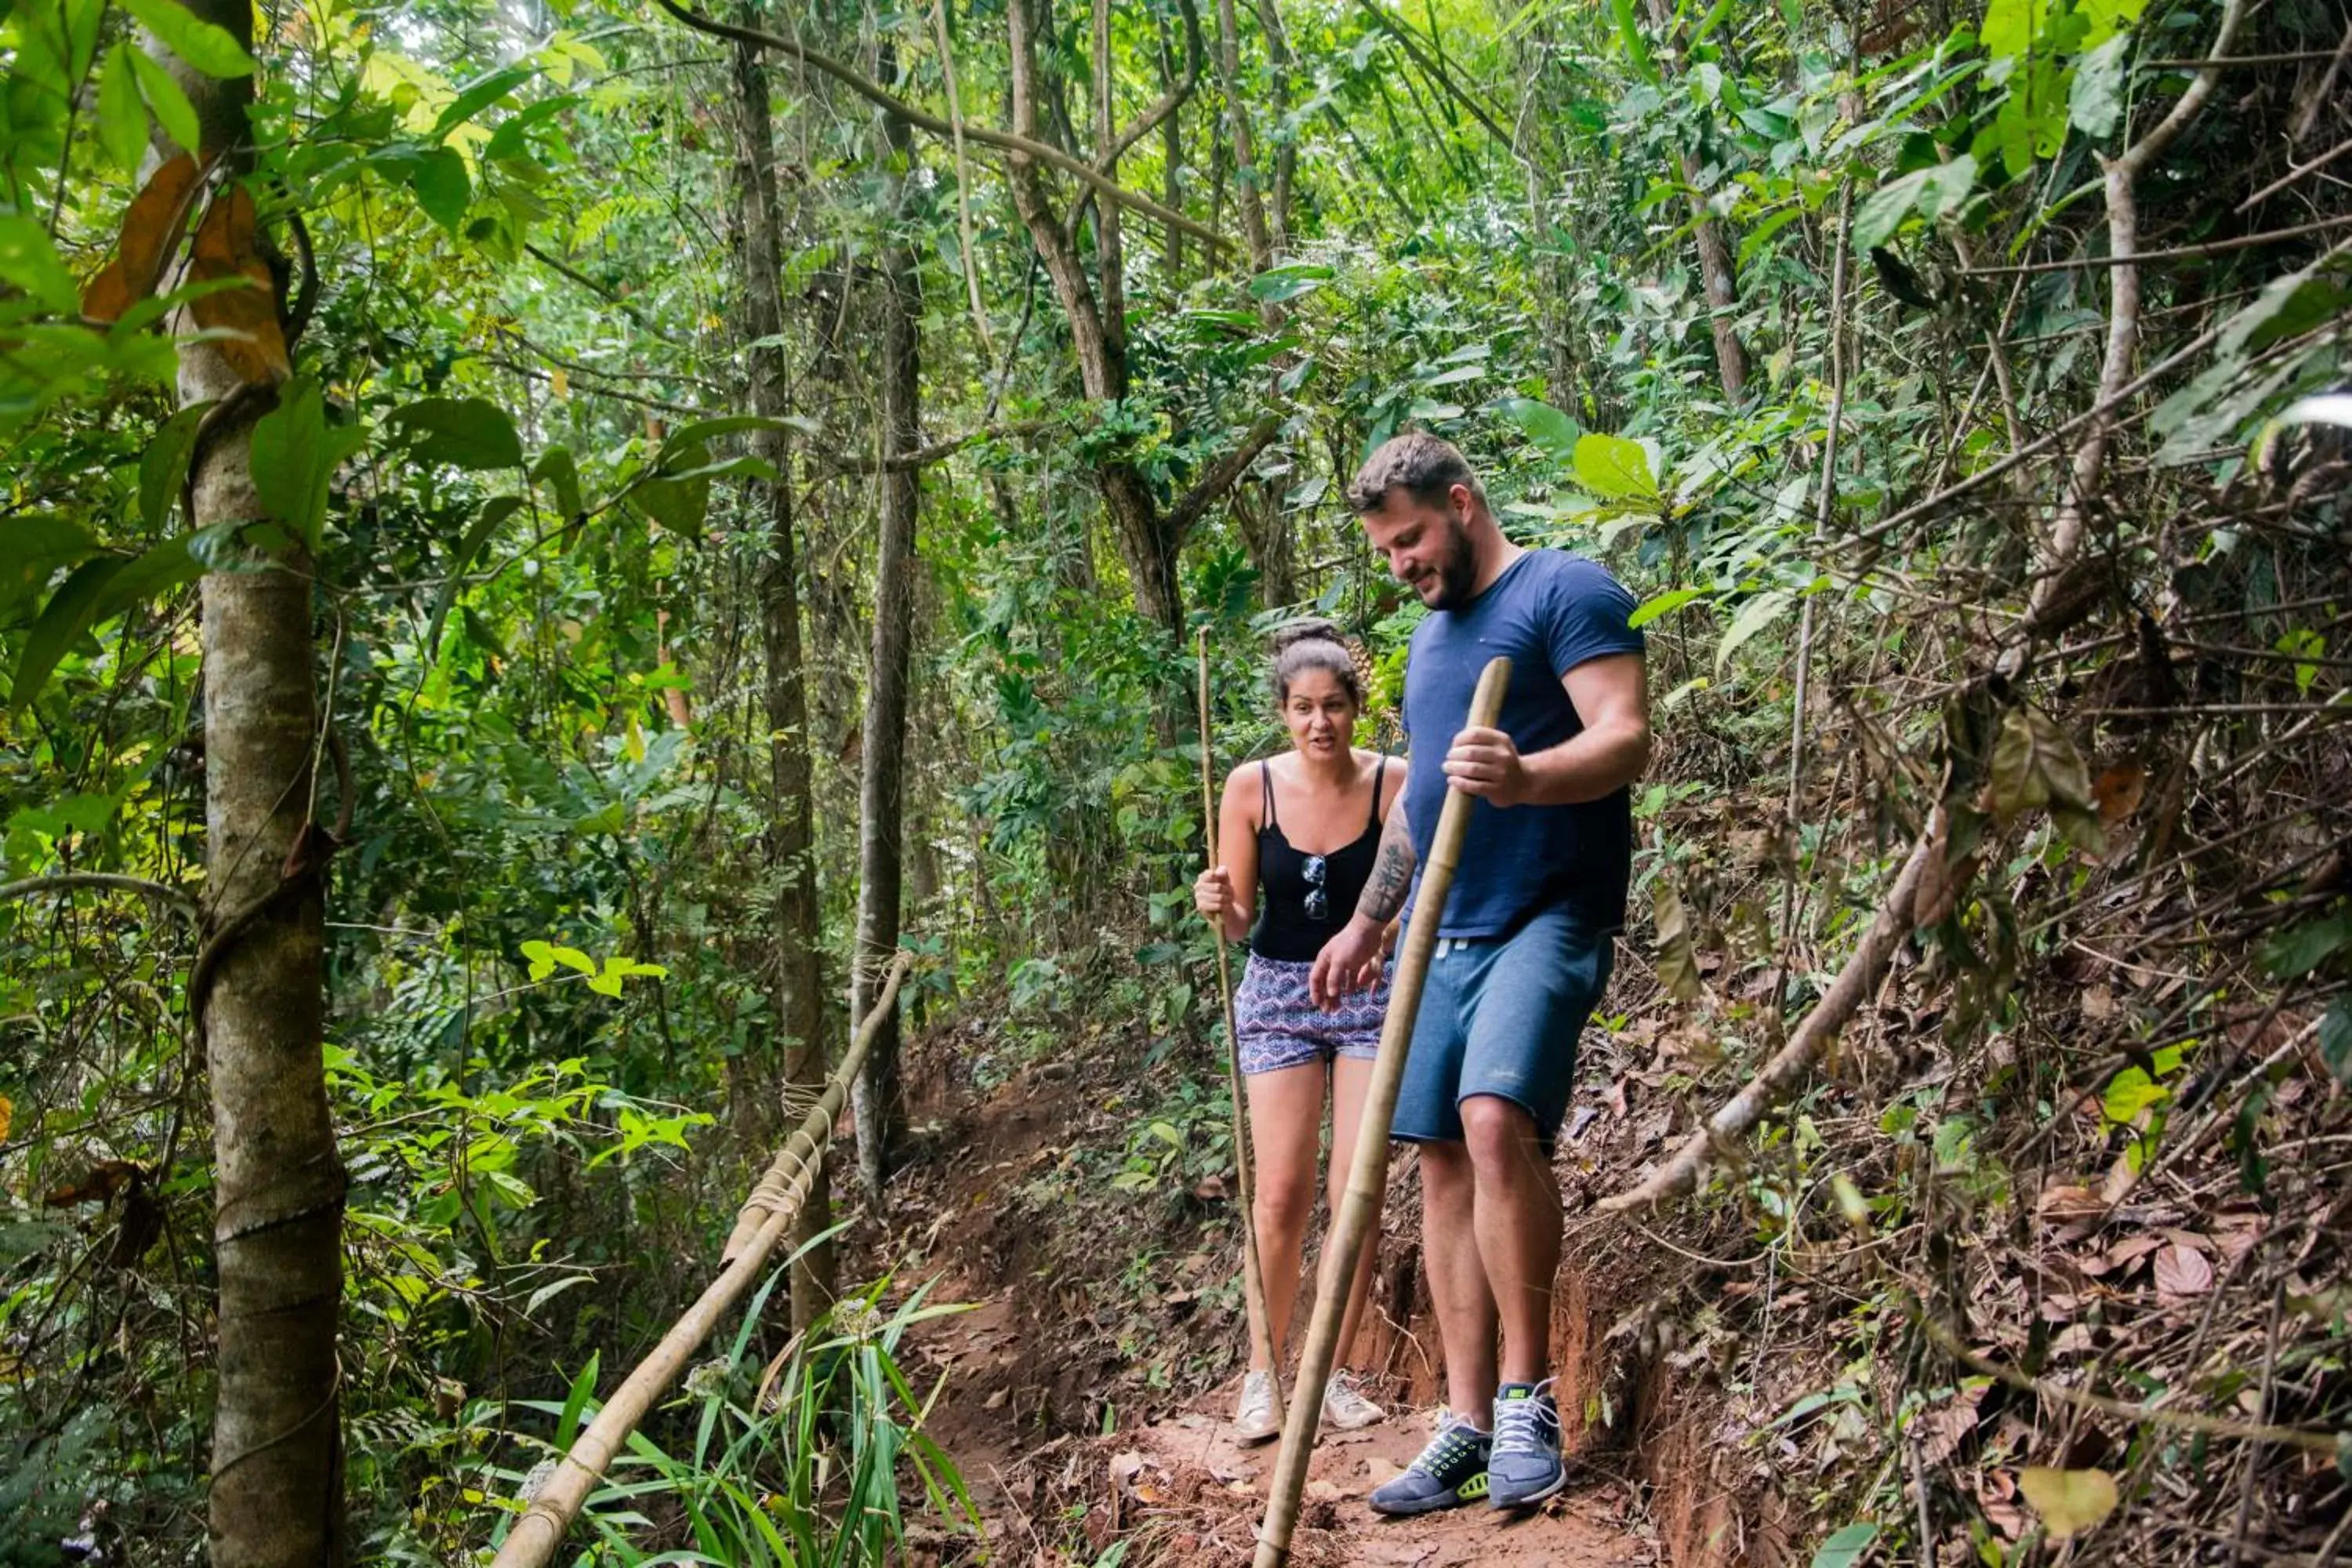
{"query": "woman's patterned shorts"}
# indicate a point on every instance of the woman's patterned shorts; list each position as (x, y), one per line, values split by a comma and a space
(1281, 1027)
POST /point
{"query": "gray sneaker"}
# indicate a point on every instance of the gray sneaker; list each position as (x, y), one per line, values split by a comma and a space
(1526, 1463)
(1450, 1472)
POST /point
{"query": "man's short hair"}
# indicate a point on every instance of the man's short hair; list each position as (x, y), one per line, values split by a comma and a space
(1425, 466)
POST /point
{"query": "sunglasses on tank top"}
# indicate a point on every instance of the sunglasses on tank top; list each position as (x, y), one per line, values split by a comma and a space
(1319, 903)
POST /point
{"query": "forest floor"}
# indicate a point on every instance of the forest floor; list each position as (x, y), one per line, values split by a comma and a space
(1084, 1393)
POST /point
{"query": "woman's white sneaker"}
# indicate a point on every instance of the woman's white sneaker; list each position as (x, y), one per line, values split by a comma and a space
(1345, 1408)
(1253, 1419)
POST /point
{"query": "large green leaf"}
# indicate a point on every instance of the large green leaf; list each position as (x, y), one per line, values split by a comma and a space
(205, 47)
(443, 187)
(1848, 1547)
(2094, 101)
(97, 591)
(28, 259)
(495, 510)
(163, 467)
(167, 99)
(1277, 284)
(122, 117)
(63, 620)
(1542, 424)
(292, 463)
(479, 95)
(463, 432)
(1614, 468)
(1754, 615)
(31, 548)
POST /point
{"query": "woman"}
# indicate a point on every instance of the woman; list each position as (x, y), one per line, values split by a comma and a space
(1303, 828)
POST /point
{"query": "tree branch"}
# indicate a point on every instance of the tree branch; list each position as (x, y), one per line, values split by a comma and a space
(1828, 1020)
(890, 102)
(1221, 477)
(1168, 102)
(178, 902)
(1437, 73)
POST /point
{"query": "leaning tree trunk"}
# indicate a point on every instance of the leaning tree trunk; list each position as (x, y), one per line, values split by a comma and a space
(797, 972)
(881, 835)
(258, 990)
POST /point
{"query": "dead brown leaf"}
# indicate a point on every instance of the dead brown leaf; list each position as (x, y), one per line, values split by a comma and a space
(2182, 1271)
(152, 228)
(228, 244)
(2117, 792)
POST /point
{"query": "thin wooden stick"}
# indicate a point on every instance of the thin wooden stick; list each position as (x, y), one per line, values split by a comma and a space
(1261, 1323)
(1368, 1177)
(779, 1197)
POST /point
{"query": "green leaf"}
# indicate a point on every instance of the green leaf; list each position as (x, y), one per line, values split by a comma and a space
(443, 187)
(1614, 468)
(701, 432)
(1277, 284)
(575, 1403)
(2011, 25)
(2095, 100)
(163, 467)
(1664, 603)
(557, 471)
(678, 505)
(2131, 1093)
(463, 432)
(1848, 1546)
(1636, 42)
(2035, 764)
(205, 47)
(1754, 615)
(122, 117)
(165, 97)
(291, 460)
(2300, 949)
(495, 510)
(29, 260)
(31, 548)
(2069, 1501)
(2336, 1040)
(68, 614)
(1542, 424)
(479, 95)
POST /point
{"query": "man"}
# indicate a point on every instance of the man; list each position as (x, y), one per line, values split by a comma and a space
(1525, 945)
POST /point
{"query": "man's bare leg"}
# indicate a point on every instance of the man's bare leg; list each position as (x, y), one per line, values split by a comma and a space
(1457, 1280)
(1518, 1229)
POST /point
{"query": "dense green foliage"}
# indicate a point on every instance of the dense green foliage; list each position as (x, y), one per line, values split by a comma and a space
(513, 441)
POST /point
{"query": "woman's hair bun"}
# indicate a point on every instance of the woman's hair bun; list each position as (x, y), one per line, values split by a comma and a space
(1307, 628)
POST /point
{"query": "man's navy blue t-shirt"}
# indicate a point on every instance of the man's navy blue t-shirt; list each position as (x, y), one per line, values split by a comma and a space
(1549, 612)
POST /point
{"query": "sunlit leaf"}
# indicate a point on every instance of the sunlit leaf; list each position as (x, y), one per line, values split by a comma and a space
(2069, 1501)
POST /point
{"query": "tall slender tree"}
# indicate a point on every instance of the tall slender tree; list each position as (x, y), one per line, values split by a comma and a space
(797, 964)
(257, 985)
(881, 835)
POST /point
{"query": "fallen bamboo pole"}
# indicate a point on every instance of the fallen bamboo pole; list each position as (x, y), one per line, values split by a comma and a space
(766, 1214)
(1368, 1177)
(1261, 1326)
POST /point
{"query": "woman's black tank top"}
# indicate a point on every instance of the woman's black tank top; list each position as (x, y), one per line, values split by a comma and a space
(1309, 897)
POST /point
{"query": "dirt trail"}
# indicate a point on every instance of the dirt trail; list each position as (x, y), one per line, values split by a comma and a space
(1050, 1353)
(1192, 1455)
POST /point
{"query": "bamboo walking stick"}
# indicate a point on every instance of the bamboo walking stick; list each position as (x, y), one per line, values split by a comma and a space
(1368, 1176)
(778, 1196)
(1253, 1278)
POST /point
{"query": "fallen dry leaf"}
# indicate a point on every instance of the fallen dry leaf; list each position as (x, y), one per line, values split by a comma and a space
(152, 228)
(2182, 1271)
(2069, 1501)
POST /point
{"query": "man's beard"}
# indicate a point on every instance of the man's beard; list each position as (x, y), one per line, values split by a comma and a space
(1456, 575)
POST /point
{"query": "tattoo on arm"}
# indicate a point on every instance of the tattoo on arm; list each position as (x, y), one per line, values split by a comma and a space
(1392, 876)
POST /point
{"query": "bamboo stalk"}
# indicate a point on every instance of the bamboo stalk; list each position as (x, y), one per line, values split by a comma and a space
(1261, 1326)
(778, 1198)
(1368, 1176)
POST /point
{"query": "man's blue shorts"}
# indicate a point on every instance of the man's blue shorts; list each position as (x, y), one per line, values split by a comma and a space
(1501, 1016)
